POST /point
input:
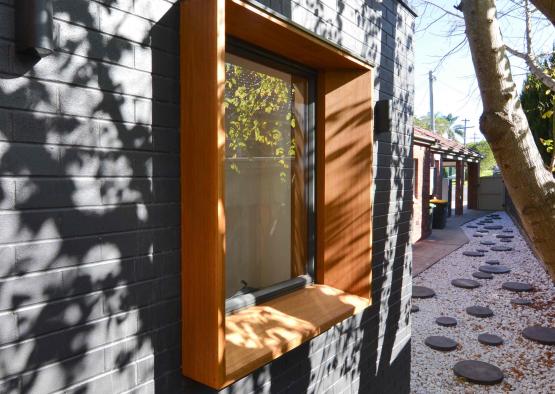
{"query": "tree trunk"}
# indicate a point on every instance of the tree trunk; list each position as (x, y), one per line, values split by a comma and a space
(503, 123)
(546, 7)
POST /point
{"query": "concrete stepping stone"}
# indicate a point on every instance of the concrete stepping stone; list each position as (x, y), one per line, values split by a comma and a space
(501, 248)
(505, 236)
(492, 262)
(482, 250)
(477, 235)
(483, 231)
(438, 342)
(478, 372)
(494, 227)
(517, 286)
(422, 292)
(487, 243)
(543, 335)
(521, 301)
(505, 240)
(414, 308)
(490, 339)
(494, 269)
(479, 311)
(471, 253)
(471, 226)
(482, 275)
(446, 321)
(465, 283)
(507, 230)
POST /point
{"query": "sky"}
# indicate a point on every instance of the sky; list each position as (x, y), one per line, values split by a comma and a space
(455, 87)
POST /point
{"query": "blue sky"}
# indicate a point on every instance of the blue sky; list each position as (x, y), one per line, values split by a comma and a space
(455, 88)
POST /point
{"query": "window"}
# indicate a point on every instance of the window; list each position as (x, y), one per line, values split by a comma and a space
(248, 204)
(269, 128)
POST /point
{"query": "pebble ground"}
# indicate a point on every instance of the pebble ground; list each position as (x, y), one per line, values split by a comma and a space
(528, 367)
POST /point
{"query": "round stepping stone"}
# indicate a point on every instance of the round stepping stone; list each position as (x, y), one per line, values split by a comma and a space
(505, 240)
(442, 343)
(477, 235)
(414, 308)
(517, 286)
(479, 311)
(543, 335)
(483, 231)
(465, 283)
(487, 243)
(494, 269)
(446, 321)
(482, 250)
(482, 275)
(478, 372)
(471, 226)
(470, 253)
(492, 262)
(490, 339)
(521, 301)
(494, 227)
(507, 231)
(504, 236)
(501, 248)
(422, 292)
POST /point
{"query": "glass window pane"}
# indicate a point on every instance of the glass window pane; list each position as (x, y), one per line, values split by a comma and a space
(265, 175)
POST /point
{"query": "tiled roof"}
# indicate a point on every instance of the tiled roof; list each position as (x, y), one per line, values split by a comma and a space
(446, 146)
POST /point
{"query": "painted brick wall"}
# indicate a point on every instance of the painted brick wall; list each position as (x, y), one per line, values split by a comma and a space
(89, 206)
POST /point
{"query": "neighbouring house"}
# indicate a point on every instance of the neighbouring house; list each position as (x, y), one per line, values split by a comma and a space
(205, 196)
(433, 156)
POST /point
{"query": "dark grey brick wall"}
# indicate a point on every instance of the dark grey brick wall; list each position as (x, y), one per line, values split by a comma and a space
(89, 206)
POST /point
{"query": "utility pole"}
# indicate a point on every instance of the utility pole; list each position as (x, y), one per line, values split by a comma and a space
(432, 113)
(466, 127)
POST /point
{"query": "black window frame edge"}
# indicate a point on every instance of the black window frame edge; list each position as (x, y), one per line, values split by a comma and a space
(265, 57)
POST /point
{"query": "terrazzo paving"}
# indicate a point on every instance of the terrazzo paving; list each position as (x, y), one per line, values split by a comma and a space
(526, 365)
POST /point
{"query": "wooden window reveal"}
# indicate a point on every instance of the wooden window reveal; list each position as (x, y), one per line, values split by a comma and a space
(211, 342)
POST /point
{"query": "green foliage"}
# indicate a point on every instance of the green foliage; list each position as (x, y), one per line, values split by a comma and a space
(445, 125)
(257, 112)
(538, 103)
(488, 162)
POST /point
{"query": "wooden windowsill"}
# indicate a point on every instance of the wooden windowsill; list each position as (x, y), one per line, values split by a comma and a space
(260, 334)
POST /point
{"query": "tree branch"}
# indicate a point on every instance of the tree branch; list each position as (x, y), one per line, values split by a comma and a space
(443, 9)
(546, 7)
(535, 69)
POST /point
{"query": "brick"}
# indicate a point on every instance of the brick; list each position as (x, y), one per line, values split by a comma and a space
(28, 94)
(55, 377)
(126, 190)
(28, 225)
(81, 12)
(53, 193)
(53, 316)
(57, 253)
(8, 328)
(94, 103)
(124, 80)
(97, 276)
(117, 135)
(32, 127)
(30, 289)
(124, 25)
(7, 194)
(7, 260)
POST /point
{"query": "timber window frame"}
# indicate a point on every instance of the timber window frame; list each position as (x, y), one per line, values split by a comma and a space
(217, 349)
(263, 57)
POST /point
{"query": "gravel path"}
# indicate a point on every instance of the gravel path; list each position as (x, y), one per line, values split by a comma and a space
(528, 367)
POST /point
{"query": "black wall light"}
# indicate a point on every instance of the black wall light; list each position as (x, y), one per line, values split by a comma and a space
(34, 27)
